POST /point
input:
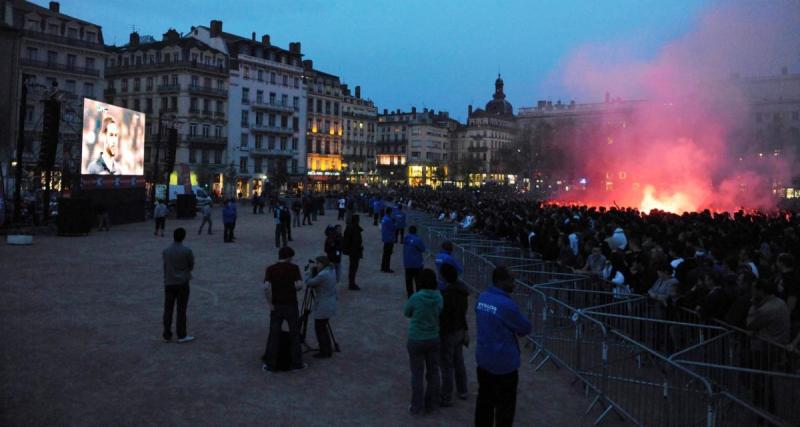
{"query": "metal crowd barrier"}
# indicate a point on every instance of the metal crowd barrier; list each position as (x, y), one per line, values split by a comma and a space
(652, 365)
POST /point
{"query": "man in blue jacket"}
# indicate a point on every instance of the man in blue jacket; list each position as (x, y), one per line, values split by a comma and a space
(413, 248)
(499, 323)
(377, 209)
(399, 224)
(387, 236)
(445, 256)
(229, 221)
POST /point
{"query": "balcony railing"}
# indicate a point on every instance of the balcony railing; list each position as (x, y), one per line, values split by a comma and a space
(169, 88)
(119, 68)
(273, 106)
(478, 149)
(208, 90)
(55, 38)
(219, 114)
(56, 66)
(271, 129)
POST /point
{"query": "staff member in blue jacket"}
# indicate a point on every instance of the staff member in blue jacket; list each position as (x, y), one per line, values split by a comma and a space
(399, 224)
(377, 209)
(499, 323)
(445, 257)
(413, 248)
(387, 236)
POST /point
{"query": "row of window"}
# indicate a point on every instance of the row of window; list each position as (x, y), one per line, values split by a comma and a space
(274, 77)
(205, 130)
(194, 106)
(269, 142)
(205, 156)
(319, 103)
(272, 165)
(55, 29)
(53, 58)
(157, 58)
(272, 120)
(136, 104)
(272, 98)
(323, 126)
(320, 146)
(166, 80)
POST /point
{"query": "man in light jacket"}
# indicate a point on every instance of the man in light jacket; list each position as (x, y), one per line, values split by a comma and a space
(178, 265)
(324, 286)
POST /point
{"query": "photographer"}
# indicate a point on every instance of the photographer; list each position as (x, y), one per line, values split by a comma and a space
(321, 277)
(282, 281)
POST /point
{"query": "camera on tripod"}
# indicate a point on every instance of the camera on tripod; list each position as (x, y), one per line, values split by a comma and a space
(312, 265)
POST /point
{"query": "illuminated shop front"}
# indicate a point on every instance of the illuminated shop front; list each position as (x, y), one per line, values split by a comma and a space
(426, 175)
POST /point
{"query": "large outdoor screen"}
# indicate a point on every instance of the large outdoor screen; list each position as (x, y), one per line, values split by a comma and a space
(113, 140)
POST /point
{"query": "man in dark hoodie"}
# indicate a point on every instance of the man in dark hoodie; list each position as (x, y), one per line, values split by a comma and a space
(453, 334)
(353, 247)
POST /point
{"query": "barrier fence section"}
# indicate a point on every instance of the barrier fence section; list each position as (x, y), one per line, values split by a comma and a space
(651, 364)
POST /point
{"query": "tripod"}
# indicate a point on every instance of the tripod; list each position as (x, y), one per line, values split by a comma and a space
(305, 315)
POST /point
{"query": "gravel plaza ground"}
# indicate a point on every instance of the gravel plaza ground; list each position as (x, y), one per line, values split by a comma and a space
(81, 339)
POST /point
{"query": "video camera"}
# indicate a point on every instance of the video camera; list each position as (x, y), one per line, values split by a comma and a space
(310, 265)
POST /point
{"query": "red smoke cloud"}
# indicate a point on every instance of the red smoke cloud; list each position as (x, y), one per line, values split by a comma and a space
(688, 147)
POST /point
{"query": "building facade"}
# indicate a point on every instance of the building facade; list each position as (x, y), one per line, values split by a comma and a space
(179, 83)
(488, 130)
(358, 144)
(266, 142)
(57, 57)
(413, 147)
(324, 129)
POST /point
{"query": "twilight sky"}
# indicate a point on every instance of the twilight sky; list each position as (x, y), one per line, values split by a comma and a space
(442, 54)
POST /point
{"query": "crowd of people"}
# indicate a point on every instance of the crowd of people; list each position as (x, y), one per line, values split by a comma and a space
(738, 268)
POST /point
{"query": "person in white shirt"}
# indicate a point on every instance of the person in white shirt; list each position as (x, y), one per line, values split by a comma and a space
(342, 207)
(160, 215)
(109, 137)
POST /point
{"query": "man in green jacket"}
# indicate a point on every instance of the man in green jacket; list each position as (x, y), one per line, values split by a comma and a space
(424, 308)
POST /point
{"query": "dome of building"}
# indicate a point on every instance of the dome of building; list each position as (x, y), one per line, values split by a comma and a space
(498, 105)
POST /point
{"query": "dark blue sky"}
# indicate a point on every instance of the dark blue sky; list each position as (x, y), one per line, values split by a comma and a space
(442, 54)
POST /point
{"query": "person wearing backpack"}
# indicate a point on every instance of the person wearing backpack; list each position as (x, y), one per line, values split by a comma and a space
(333, 248)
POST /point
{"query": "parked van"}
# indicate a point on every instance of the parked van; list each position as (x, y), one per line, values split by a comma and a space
(203, 198)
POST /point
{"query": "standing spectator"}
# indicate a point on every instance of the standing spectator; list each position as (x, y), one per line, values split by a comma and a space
(229, 220)
(387, 236)
(399, 224)
(424, 308)
(445, 256)
(160, 215)
(296, 208)
(413, 248)
(768, 318)
(377, 208)
(333, 249)
(499, 322)
(353, 247)
(178, 265)
(206, 219)
(282, 281)
(280, 227)
(103, 220)
(286, 223)
(323, 280)
(307, 208)
(255, 202)
(453, 331)
(342, 202)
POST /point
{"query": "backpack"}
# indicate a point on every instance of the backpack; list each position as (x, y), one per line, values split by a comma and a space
(285, 217)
